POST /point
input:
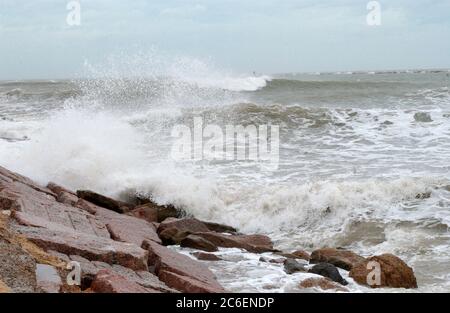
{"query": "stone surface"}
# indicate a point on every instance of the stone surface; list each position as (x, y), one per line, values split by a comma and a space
(206, 256)
(340, 258)
(90, 247)
(251, 243)
(104, 201)
(190, 225)
(291, 266)
(395, 273)
(179, 271)
(4, 288)
(147, 212)
(107, 281)
(220, 228)
(48, 279)
(197, 242)
(301, 254)
(329, 271)
(322, 283)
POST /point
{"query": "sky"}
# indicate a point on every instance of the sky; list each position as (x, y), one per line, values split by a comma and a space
(266, 36)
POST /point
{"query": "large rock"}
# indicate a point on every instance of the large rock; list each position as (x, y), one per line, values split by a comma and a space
(340, 258)
(104, 202)
(147, 212)
(395, 273)
(291, 266)
(110, 282)
(87, 246)
(251, 243)
(197, 242)
(220, 228)
(322, 283)
(329, 271)
(190, 225)
(179, 271)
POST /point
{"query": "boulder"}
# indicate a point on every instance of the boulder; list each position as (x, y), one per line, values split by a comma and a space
(190, 225)
(300, 254)
(220, 228)
(329, 271)
(179, 271)
(87, 246)
(340, 258)
(206, 256)
(251, 243)
(48, 279)
(291, 266)
(322, 283)
(146, 212)
(197, 242)
(110, 282)
(395, 273)
(104, 202)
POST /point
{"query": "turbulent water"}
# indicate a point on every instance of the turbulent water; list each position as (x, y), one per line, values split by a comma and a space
(355, 151)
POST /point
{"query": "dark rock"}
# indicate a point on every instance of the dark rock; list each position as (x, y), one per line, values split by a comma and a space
(340, 258)
(172, 236)
(291, 266)
(206, 256)
(395, 273)
(197, 242)
(220, 228)
(104, 202)
(251, 243)
(329, 271)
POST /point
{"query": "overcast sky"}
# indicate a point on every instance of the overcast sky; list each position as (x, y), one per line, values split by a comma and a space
(269, 36)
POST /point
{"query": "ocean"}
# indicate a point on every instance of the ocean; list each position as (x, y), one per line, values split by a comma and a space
(364, 157)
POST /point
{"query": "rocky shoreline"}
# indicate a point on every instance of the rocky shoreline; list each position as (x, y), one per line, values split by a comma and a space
(124, 247)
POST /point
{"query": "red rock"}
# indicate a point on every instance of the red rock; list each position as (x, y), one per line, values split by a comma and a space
(322, 283)
(87, 246)
(251, 243)
(57, 189)
(172, 236)
(146, 212)
(197, 242)
(110, 282)
(179, 271)
(103, 201)
(67, 198)
(220, 228)
(301, 254)
(190, 225)
(11, 177)
(340, 258)
(206, 256)
(395, 273)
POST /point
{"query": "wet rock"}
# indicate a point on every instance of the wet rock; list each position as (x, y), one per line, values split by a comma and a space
(422, 117)
(329, 271)
(190, 225)
(147, 212)
(424, 195)
(291, 266)
(179, 271)
(107, 281)
(322, 283)
(165, 212)
(274, 261)
(48, 279)
(172, 236)
(395, 273)
(197, 242)
(251, 243)
(104, 202)
(220, 228)
(340, 258)
(206, 256)
(301, 254)
(90, 247)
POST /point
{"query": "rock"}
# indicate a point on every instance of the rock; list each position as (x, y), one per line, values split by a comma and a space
(179, 271)
(395, 273)
(104, 202)
(251, 243)
(220, 228)
(110, 282)
(197, 242)
(67, 198)
(275, 261)
(322, 283)
(4, 288)
(12, 178)
(57, 189)
(48, 279)
(425, 195)
(301, 254)
(291, 266)
(190, 225)
(172, 236)
(146, 212)
(165, 212)
(340, 258)
(88, 246)
(206, 256)
(329, 271)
